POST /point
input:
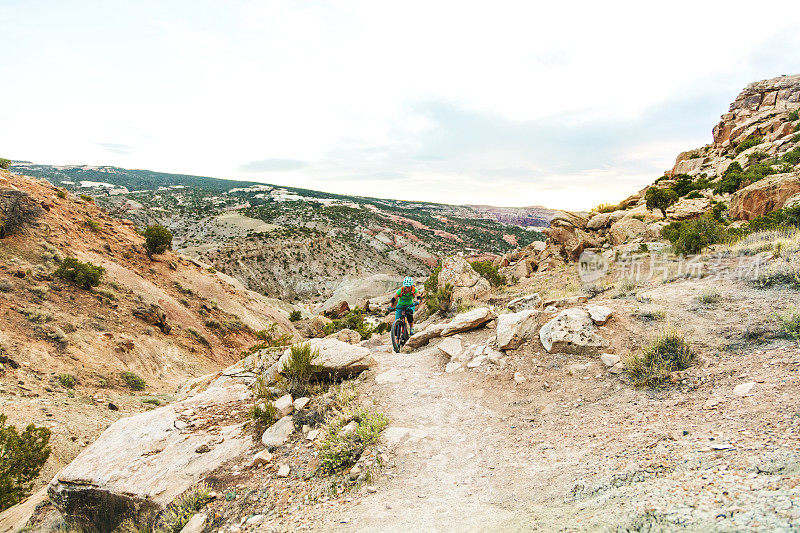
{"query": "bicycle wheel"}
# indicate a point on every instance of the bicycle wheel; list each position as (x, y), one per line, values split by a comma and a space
(398, 331)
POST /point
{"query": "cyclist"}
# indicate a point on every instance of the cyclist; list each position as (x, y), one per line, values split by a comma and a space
(404, 299)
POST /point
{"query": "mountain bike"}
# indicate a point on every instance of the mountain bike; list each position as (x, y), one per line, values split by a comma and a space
(400, 327)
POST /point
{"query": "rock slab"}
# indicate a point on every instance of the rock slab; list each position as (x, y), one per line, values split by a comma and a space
(469, 320)
(571, 331)
(141, 463)
(515, 328)
(336, 359)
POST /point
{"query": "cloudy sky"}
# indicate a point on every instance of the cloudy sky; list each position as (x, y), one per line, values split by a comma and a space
(564, 104)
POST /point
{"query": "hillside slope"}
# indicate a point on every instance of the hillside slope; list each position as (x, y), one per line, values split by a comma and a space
(270, 237)
(50, 328)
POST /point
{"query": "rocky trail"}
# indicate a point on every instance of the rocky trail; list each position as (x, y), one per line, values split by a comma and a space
(456, 465)
(574, 447)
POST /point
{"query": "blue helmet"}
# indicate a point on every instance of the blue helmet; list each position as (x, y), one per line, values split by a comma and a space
(408, 281)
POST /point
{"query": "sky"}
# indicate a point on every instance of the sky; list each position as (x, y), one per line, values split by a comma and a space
(562, 104)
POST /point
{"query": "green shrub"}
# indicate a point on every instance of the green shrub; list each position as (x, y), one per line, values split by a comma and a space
(692, 236)
(693, 195)
(782, 274)
(133, 381)
(751, 141)
(661, 199)
(86, 274)
(786, 217)
(354, 320)
(181, 510)
(668, 353)
(650, 315)
(440, 299)
(709, 297)
(605, 208)
(489, 272)
(295, 315)
(61, 193)
(437, 299)
(790, 324)
(432, 283)
(757, 157)
(339, 451)
(263, 412)
(199, 337)
(157, 239)
(299, 369)
(22, 457)
(796, 138)
(793, 116)
(87, 198)
(17, 209)
(685, 184)
(36, 315)
(269, 337)
(792, 157)
(67, 381)
(4, 163)
(93, 225)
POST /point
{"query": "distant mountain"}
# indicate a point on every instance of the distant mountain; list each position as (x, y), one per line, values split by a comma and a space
(294, 243)
(536, 216)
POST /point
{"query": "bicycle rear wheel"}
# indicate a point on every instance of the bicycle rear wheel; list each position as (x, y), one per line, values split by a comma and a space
(399, 334)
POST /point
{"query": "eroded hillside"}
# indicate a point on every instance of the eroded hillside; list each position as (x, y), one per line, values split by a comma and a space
(64, 348)
(270, 237)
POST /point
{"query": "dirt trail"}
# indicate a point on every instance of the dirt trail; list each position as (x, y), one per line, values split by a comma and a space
(455, 468)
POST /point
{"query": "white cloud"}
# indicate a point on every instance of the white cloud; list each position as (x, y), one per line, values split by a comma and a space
(347, 88)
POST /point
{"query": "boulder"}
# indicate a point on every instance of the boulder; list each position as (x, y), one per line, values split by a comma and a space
(279, 432)
(196, 524)
(627, 230)
(140, 464)
(610, 359)
(337, 310)
(315, 327)
(300, 403)
(153, 315)
(570, 218)
(515, 328)
(598, 221)
(284, 405)
(530, 301)
(451, 347)
(764, 196)
(687, 208)
(567, 301)
(469, 320)
(568, 241)
(571, 331)
(346, 335)
(423, 337)
(495, 357)
(599, 313)
(604, 220)
(336, 359)
(467, 284)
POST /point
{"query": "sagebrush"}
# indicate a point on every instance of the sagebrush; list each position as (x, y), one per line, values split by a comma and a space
(669, 352)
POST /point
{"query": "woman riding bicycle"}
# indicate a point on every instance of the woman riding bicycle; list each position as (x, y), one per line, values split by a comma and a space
(404, 299)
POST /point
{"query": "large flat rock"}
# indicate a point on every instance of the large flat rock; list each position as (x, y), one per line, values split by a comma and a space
(336, 358)
(142, 463)
(469, 320)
